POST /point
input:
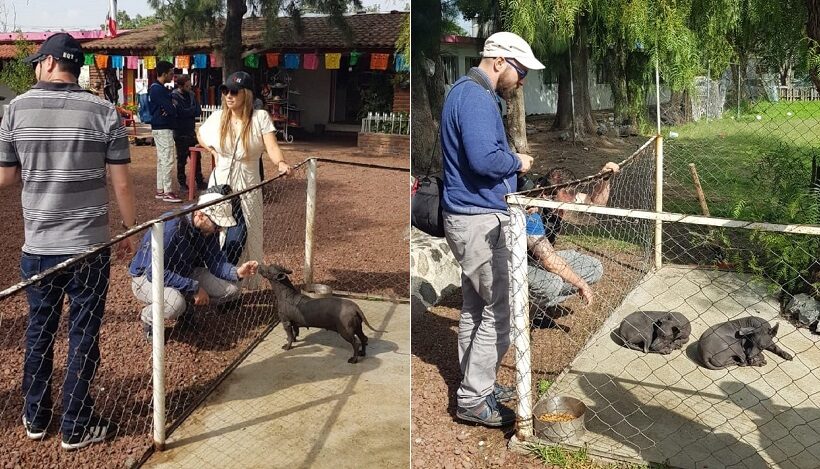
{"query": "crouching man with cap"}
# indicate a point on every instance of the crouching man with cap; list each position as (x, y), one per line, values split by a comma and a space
(196, 270)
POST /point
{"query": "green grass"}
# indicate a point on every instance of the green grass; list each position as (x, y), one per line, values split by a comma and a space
(727, 151)
(557, 456)
(602, 243)
(543, 386)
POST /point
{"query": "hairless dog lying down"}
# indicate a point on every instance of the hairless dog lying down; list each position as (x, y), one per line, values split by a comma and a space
(298, 310)
(739, 342)
(655, 331)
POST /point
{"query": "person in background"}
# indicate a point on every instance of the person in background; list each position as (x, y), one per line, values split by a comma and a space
(59, 139)
(237, 136)
(188, 109)
(554, 276)
(163, 121)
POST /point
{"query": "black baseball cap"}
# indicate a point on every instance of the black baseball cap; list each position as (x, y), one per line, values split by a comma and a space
(236, 81)
(61, 46)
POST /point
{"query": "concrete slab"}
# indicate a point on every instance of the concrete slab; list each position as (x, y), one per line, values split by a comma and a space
(307, 407)
(658, 408)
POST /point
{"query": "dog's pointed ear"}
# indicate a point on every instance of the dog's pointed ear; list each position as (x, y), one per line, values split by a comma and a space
(775, 328)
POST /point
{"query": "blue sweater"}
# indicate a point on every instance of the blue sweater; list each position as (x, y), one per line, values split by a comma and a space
(185, 248)
(163, 112)
(477, 159)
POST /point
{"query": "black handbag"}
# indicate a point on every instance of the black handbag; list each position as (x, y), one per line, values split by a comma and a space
(425, 210)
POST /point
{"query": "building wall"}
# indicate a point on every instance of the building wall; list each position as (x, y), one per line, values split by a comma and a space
(314, 98)
(401, 99)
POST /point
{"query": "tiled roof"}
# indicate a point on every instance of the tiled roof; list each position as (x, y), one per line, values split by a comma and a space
(370, 31)
(7, 51)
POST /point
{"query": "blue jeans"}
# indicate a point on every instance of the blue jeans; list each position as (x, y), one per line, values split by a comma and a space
(236, 236)
(86, 285)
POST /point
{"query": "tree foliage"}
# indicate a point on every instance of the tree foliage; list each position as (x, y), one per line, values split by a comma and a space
(196, 19)
(18, 74)
(125, 21)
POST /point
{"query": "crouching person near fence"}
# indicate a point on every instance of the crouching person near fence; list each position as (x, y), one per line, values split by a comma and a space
(555, 276)
(196, 270)
(59, 140)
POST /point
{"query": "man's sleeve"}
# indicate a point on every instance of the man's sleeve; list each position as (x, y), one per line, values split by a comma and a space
(170, 278)
(118, 151)
(217, 262)
(8, 152)
(485, 154)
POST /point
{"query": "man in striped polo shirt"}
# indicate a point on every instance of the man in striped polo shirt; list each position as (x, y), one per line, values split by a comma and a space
(59, 139)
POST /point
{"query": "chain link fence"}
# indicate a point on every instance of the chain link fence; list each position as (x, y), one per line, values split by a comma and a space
(704, 363)
(146, 376)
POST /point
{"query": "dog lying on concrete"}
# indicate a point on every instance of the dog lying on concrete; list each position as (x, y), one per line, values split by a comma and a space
(297, 310)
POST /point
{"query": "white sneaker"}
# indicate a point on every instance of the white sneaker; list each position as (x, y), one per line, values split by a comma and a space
(96, 432)
(33, 432)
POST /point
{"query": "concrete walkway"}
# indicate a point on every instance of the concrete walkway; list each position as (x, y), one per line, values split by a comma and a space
(667, 408)
(307, 407)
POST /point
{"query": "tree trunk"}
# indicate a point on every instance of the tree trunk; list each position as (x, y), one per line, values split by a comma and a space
(563, 112)
(584, 122)
(813, 33)
(232, 37)
(427, 96)
(517, 122)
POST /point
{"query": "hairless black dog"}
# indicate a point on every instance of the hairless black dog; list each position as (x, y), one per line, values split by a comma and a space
(298, 310)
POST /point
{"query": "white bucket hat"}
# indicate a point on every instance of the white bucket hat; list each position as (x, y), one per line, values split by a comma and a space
(511, 46)
(221, 214)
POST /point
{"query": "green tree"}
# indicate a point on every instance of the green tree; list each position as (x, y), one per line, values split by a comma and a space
(186, 19)
(124, 20)
(17, 74)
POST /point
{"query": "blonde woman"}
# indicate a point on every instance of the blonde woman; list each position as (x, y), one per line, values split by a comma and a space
(237, 135)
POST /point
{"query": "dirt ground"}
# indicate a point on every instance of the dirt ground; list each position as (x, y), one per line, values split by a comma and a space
(439, 439)
(585, 156)
(360, 246)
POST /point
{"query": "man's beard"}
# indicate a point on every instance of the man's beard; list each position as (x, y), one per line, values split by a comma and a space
(507, 93)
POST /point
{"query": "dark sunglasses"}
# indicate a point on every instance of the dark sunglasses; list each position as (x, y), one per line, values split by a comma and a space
(226, 92)
(41, 59)
(522, 73)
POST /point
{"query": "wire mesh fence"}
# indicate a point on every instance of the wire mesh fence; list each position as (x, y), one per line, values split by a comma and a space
(705, 363)
(214, 313)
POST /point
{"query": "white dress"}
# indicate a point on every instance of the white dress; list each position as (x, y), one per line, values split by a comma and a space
(245, 174)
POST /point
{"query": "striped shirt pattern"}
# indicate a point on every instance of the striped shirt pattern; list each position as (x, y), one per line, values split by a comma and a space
(62, 137)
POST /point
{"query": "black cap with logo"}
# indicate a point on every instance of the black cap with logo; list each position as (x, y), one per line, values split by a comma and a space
(61, 46)
(236, 81)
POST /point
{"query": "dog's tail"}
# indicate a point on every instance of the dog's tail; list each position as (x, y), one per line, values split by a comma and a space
(364, 320)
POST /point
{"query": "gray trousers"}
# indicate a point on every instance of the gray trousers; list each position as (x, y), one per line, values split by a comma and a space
(219, 290)
(548, 289)
(479, 245)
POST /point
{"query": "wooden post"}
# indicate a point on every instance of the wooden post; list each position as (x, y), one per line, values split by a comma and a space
(701, 197)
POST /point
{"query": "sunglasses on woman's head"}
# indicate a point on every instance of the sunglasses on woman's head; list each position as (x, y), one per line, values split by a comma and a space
(226, 92)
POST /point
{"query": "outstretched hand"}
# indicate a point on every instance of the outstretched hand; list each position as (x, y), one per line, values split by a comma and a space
(247, 269)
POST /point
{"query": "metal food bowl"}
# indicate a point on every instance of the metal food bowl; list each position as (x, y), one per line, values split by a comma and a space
(318, 290)
(569, 431)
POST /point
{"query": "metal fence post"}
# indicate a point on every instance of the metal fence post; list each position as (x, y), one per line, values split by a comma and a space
(519, 301)
(658, 201)
(158, 320)
(310, 216)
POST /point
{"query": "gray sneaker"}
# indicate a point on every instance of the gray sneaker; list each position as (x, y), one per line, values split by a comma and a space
(489, 412)
(504, 393)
